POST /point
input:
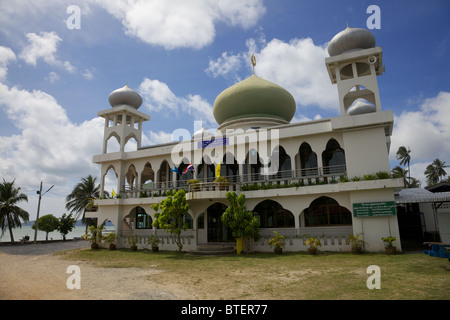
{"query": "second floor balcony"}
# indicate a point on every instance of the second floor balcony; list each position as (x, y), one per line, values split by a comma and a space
(244, 182)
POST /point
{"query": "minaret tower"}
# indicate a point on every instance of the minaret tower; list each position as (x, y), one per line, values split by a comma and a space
(123, 120)
(354, 65)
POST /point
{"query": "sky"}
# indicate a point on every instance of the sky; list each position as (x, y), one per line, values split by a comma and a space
(60, 60)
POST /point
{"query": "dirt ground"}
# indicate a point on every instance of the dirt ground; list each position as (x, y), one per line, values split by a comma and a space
(33, 272)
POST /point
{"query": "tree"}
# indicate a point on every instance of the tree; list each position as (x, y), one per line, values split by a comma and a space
(399, 172)
(82, 196)
(435, 172)
(405, 158)
(66, 224)
(10, 213)
(241, 221)
(47, 223)
(171, 217)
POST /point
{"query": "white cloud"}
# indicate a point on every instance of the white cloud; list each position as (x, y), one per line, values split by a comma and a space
(52, 77)
(44, 46)
(178, 23)
(426, 132)
(158, 97)
(48, 146)
(298, 66)
(224, 66)
(6, 55)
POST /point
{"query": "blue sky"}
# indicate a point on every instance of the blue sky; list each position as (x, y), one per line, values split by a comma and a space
(180, 55)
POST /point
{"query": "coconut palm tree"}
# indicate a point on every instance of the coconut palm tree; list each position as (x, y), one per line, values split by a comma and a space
(399, 172)
(404, 156)
(435, 171)
(10, 213)
(82, 196)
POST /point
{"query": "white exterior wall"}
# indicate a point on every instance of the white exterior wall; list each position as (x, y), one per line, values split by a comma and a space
(363, 139)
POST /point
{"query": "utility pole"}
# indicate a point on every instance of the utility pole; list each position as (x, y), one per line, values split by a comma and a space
(39, 207)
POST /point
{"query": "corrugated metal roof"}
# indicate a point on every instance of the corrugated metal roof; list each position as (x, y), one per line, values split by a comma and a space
(419, 195)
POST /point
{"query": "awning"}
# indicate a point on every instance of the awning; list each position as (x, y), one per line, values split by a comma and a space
(420, 195)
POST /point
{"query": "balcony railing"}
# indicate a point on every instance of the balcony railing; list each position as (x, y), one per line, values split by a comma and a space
(247, 181)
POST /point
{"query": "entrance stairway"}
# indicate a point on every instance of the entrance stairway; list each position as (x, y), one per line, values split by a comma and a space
(214, 249)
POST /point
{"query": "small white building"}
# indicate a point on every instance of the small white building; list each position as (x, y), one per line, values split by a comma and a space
(327, 178)
(424, 214)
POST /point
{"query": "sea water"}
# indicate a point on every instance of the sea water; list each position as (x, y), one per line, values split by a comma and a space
(19, 233)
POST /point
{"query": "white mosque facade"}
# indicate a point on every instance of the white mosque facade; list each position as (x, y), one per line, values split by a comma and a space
(327, 178)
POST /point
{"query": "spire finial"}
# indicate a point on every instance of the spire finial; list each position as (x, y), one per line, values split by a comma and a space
(347, 25)
(253, 58)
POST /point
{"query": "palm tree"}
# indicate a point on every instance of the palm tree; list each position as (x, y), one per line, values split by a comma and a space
(405, 158)
(10, 213)
(399, 172)
(435, 171)
(82, 196)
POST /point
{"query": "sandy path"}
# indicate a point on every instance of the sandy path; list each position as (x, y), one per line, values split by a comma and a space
(32, 272)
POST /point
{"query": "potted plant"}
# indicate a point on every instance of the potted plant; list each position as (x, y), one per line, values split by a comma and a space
(277, 242)
(313, 244)
(154, 241)
(110, 239)
(222, 183)
(356, 242)
(389, 248)
(195, 184)
(93, 235)
(132, 242)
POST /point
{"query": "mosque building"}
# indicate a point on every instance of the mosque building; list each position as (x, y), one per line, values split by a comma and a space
(327, 178)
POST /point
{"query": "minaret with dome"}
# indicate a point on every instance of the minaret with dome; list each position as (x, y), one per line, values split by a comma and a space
(123, 121)
(354, 64)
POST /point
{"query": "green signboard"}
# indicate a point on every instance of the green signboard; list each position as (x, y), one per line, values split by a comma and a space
(374, 209)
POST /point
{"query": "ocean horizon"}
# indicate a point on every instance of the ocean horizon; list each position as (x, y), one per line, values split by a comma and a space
(26, 230)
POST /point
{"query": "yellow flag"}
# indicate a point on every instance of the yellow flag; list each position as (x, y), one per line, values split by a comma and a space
(113, 194)
(218, 171)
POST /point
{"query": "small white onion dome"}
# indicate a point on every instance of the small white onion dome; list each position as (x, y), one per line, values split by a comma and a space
(127, 96)
(351, 39)
(202, 133)
(361, 107)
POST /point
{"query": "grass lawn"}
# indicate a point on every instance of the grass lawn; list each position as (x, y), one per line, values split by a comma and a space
(289, 276)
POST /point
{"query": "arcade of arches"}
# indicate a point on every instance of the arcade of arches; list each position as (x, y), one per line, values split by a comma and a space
(322, 212)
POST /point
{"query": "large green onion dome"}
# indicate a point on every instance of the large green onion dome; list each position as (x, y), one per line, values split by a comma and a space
(253, 98)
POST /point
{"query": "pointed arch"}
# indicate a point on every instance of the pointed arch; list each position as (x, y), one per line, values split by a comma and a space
(131, 178)
(271, 214)
(326, 211)
(164, 175)
(308, 161)
(147, 177)
(333, 158)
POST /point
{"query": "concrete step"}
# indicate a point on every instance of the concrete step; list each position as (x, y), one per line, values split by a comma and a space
(214, 249)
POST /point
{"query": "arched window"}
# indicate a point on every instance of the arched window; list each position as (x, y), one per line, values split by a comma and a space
(325, 211)
(229, 167)
(186, 173)
(308, 161)
(252, 166)
(280, 158)
(272, 215)
(333, 158)
(143, 220)
(164, 175)
(147, 177)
